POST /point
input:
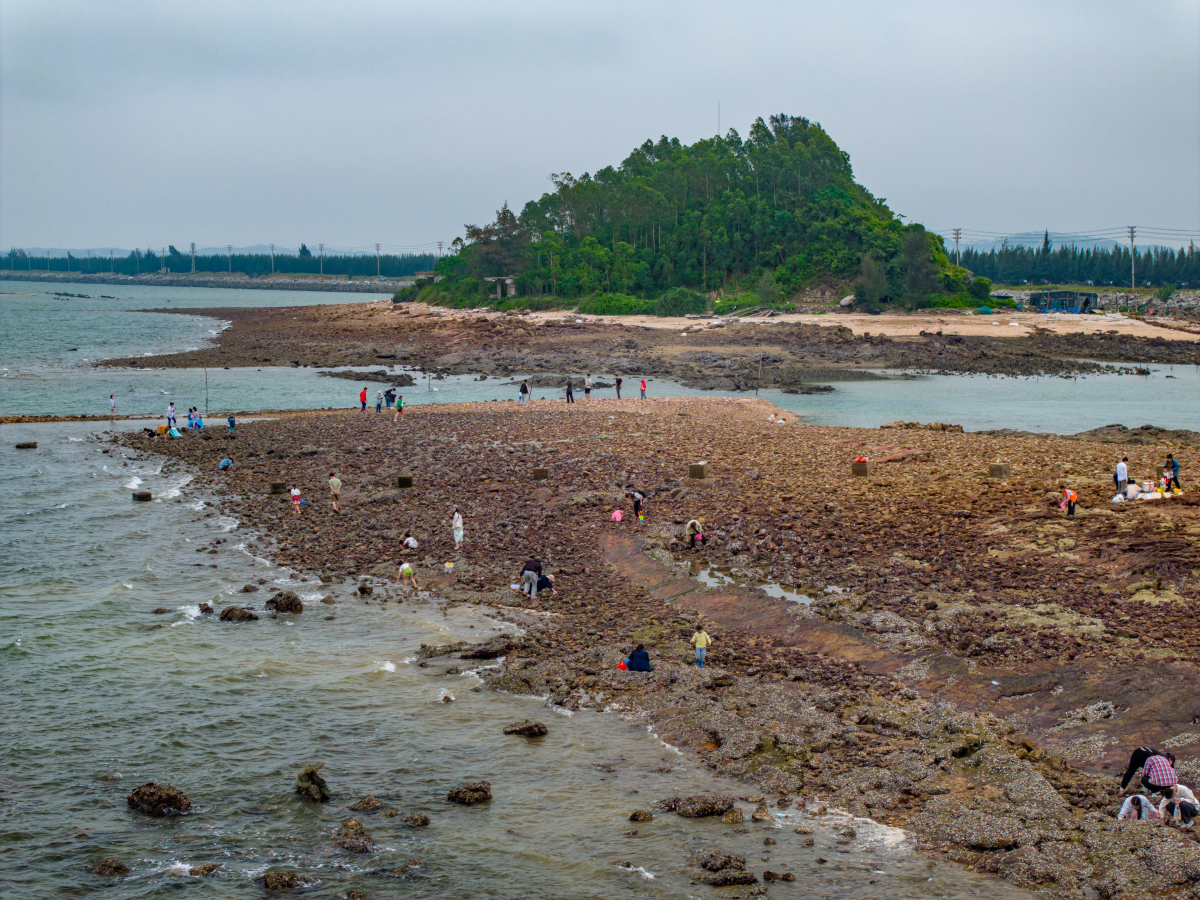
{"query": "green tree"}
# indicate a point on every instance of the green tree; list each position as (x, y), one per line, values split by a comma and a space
(305, 253)
(980, 288)
(871, 286)
(920, 275)
(769, 293)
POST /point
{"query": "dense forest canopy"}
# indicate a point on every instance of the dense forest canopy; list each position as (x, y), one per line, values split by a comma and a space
(1070, 265)
(304, 262)
(776, 211)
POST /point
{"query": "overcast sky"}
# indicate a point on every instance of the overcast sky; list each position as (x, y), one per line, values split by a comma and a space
(143, 124)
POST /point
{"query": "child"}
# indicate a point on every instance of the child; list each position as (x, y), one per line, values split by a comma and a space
(335, 490)
(695, 532)
(638, 497)
(295, 492)
(409, 542)
(406, 574)
(399, 408)
(702, 642)
(232, 424)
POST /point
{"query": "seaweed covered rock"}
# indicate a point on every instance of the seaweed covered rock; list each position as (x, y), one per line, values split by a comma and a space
(238, 614)
(722, 869)
(640, 815)
(110, 866)
(527, 728)
(415, 819)
(159, 800)
(285, 602)
(366, 804)
(351, 835)
(469, 794)
(284, 881)
(698, 805)
(311, 786)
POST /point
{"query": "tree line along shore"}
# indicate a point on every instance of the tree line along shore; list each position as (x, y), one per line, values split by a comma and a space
(973, 665)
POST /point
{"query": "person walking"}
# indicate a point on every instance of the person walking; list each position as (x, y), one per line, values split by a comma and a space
(1069, 498)
(702, 642)
(456, 524)
(171, 415)
(389, 398)
(295, 492)
(523, 393)
(643, 388)
(362, 398)
(587, 388)
(379, 401)
(335, 491)
(112, 407)
(399, 408)
(1122, 475)
(530, 573)
(1171, 471)
(620, 382)
(570, 393)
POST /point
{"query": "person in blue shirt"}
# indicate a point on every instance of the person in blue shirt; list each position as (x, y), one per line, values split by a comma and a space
(1171, 471)
(639, 660)
(225, 464)
(232, 424)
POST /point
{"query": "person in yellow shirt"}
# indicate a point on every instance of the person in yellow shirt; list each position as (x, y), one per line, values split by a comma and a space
(702, 642)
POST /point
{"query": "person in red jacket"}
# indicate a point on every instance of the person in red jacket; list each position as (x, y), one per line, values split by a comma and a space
(1069, 498)
(362, 398)
(643, 388)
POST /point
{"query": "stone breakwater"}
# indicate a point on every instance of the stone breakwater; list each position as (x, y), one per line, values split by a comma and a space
(973, 667)
(272, 283)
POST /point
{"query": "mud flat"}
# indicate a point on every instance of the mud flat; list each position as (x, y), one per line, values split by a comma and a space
(703, 353)
(974, 666)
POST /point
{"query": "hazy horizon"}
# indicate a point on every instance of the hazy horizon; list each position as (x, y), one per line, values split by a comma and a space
(146, 125)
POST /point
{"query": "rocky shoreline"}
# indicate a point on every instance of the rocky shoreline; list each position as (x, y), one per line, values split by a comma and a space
(710, 355)
(971, 666)
(208, 280)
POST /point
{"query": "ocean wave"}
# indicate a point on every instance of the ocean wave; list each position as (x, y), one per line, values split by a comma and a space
(133, 483)
(227, 523)
(638, 870)
(386, 666)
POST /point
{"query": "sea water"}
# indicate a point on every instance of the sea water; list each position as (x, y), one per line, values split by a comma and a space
(98, 701)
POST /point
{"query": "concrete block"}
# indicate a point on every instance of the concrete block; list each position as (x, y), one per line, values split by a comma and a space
(278, 487)
(541, 474)
(999, 470)
(698, 470)
(860, 468)
(141, 496)
(404, 481)
(27, 445)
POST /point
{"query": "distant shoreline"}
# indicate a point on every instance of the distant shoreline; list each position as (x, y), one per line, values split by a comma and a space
(239, 282)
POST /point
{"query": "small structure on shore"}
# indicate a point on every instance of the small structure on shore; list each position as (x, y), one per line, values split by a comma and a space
(1064, 301)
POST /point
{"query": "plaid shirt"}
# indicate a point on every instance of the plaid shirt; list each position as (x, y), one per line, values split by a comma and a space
(1160, 772)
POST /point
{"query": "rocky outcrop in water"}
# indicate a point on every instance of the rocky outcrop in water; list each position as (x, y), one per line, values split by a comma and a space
(159, 800)
(110, 867)
(698, 805)
(366, 804)
(722, 869)
(238, 614)
(284, 881)
(526, 728)
(469, 794)
(285, 602)
(351, 836)
(415, 819)
(311, 786)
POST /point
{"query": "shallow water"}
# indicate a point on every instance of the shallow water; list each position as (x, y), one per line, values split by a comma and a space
(230, 712)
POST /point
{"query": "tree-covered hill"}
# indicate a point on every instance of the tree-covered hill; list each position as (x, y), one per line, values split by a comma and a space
(774, 212)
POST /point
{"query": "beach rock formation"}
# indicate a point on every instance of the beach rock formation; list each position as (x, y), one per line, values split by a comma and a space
(238, 614)
(526, 728)
(159, 800)
(284, 881)
(698, 805)
(366, 804)
(468, 794)
(351, 836)
(285, 602)
(415, 819)
(311, 786)
(110, 866)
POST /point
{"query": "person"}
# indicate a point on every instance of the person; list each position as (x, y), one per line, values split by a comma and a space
(191, 419)
(1179, 803)
(1159, 769)
(570, 394)
(530, 573)
(702, 642)
(639, 660)
(232, 424)
(389, 397)
(620, 382)
(406, 573)
(150, 432)
(523, 393)
(587, 387)
(771, 419)
(638, 497)
(225, 464)
(1069, 498)
(1139, 808)
(170, 414)
(174, 432)
(1121, 477)
(409, 542)
(456, 524)
(546, 583)
(295, 492)
(199, 421)
(695, 531)
(362, 398)
(335, 490)
(399, 408)
(161, 430)
(379, 401)
(643, 388)
(1171, 471)
(112, 406)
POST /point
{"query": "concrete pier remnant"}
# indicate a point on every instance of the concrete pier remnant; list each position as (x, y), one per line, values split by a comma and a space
(541, 474)
(999, 470)
(142, 496)
(698, 470)
(404, 481)
(278, 487)
(860, 468)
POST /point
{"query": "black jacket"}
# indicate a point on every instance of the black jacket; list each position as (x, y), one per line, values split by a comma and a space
(1136, 761)
(532, 565)
(639, 661)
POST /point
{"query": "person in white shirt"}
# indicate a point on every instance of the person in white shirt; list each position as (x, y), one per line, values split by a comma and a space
(171, 414)
(1122, 476)
(409, 542)
(112, 406)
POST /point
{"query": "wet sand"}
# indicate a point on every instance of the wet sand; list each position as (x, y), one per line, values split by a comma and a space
(975, 667)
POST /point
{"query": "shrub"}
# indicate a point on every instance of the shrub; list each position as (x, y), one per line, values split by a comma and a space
(616, 305)
(980, 288)
(680, 301)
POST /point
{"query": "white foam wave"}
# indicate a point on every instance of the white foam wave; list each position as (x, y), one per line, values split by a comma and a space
(387, 666)
(650, 731)
(639, 870)
(133, 483)
(75, 440)
(408, 660)
(227, 523)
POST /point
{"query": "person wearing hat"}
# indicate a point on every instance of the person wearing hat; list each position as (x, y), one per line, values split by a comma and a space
(546, 583)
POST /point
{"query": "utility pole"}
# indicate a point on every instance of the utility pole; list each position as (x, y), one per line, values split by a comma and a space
(957, 235)
(162, 260)
(193, 257)
(272, 259)
(321, 247)
(110, 262)
(1132, 258)
(229, 250)
(377, 275)
(137, 261)
(439, 249)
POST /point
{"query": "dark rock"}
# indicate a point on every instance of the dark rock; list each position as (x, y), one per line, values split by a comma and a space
(468, 794)
(206, 609)
(699, 805)
(311, 786)
(206, 869)
(366, 804)
(110, 866)
(640, 815)
(501, 645)
(248, 589)
(27, 445)
(366, 590)
(284, 881)
(527, 728)
(415, 819)
(727, 878)
(238, 614)
(142, 496)
(351, 835)
(159, 800)
(161, 610)
(285, 602)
